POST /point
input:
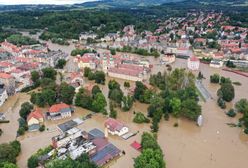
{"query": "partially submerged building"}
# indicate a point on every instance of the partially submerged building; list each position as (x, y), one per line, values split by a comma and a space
(116, 127)
(59, 111)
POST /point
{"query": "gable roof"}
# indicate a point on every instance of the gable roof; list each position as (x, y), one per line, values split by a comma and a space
(114, 125)
(5, 76)
(58, 107)
(37, 114)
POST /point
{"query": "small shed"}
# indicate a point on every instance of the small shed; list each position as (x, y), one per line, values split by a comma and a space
(136, 145)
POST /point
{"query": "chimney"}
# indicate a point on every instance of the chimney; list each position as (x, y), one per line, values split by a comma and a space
(106, 132)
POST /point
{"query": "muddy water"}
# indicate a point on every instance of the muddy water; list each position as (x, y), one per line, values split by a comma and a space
(215, 145)
(52, 46)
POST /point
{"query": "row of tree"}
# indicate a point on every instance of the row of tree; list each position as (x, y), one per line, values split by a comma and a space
(226, 93)
(139, 51)
(177, 96)
(8, 154)
(94, 101)
(151, 155)
(98, 76)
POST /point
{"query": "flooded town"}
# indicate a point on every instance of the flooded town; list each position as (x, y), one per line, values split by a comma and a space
(185, 85)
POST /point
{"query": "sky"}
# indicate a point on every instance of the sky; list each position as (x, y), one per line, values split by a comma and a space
(58, 2)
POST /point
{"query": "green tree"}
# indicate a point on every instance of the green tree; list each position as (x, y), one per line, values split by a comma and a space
(116, 95)
(126, 84)
(113, 85)
(148, 95)
(112, 51)
(26, 108)
(66, 93)
(9, 165)
(99, 77)
(47, 83)
(113, 112)
(149, 159)
(127, 102)
(49, 73)
(190, 109)
(35, 76)
(99, 103)
(33, 161)
(50, 96)
(96, 89)
(87, 71)
(83, 100)
(139, 91)
(226, 91)
(175, 104)
(61, 63)
(140, 118)
(148, 141)
(242, 106)
(9, 152)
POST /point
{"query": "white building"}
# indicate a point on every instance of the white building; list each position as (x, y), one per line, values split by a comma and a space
(193, 63)
(66, 137)
(116, 127)
(216, 63)
(3, 96)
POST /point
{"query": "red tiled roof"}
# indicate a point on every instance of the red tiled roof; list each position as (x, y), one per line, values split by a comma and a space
(113, 124)
(194, 59)
(5, 64)
(5, 76)
(57, 107)
(37, 114)
(100, 143)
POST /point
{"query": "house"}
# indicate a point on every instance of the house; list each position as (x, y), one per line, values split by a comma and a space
(87, 60)
(105, 152)
(59, 111)
(116, 127)
(216, 63)
(168, 58)
(128, 72)
(9, 82)
(193, 63)
(64, 138)
(3, 94)
(34, 120)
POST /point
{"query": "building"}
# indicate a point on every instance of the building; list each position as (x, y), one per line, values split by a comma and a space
(216, 63)
(193, 63)
(9, 82)
(34, 120)
(168, 58)
(64, 138)
(128, 72)
(116, 127)
(87, 60)
(105, 151)
(59, 111)
(3, 94)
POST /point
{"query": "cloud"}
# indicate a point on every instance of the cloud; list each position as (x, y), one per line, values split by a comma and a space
(58, 2)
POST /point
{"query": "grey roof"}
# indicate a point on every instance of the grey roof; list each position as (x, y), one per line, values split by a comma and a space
(107, 153)
(96, 133)
(67, 125)
(34, 127)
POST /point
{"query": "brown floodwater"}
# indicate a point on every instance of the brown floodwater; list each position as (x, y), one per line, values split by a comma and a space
(214, 145)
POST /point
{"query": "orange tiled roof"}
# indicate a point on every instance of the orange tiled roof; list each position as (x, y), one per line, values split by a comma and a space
(37, 114)
(57, 107)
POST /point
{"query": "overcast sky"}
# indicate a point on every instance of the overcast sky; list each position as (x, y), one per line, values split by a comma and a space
(14, 2)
